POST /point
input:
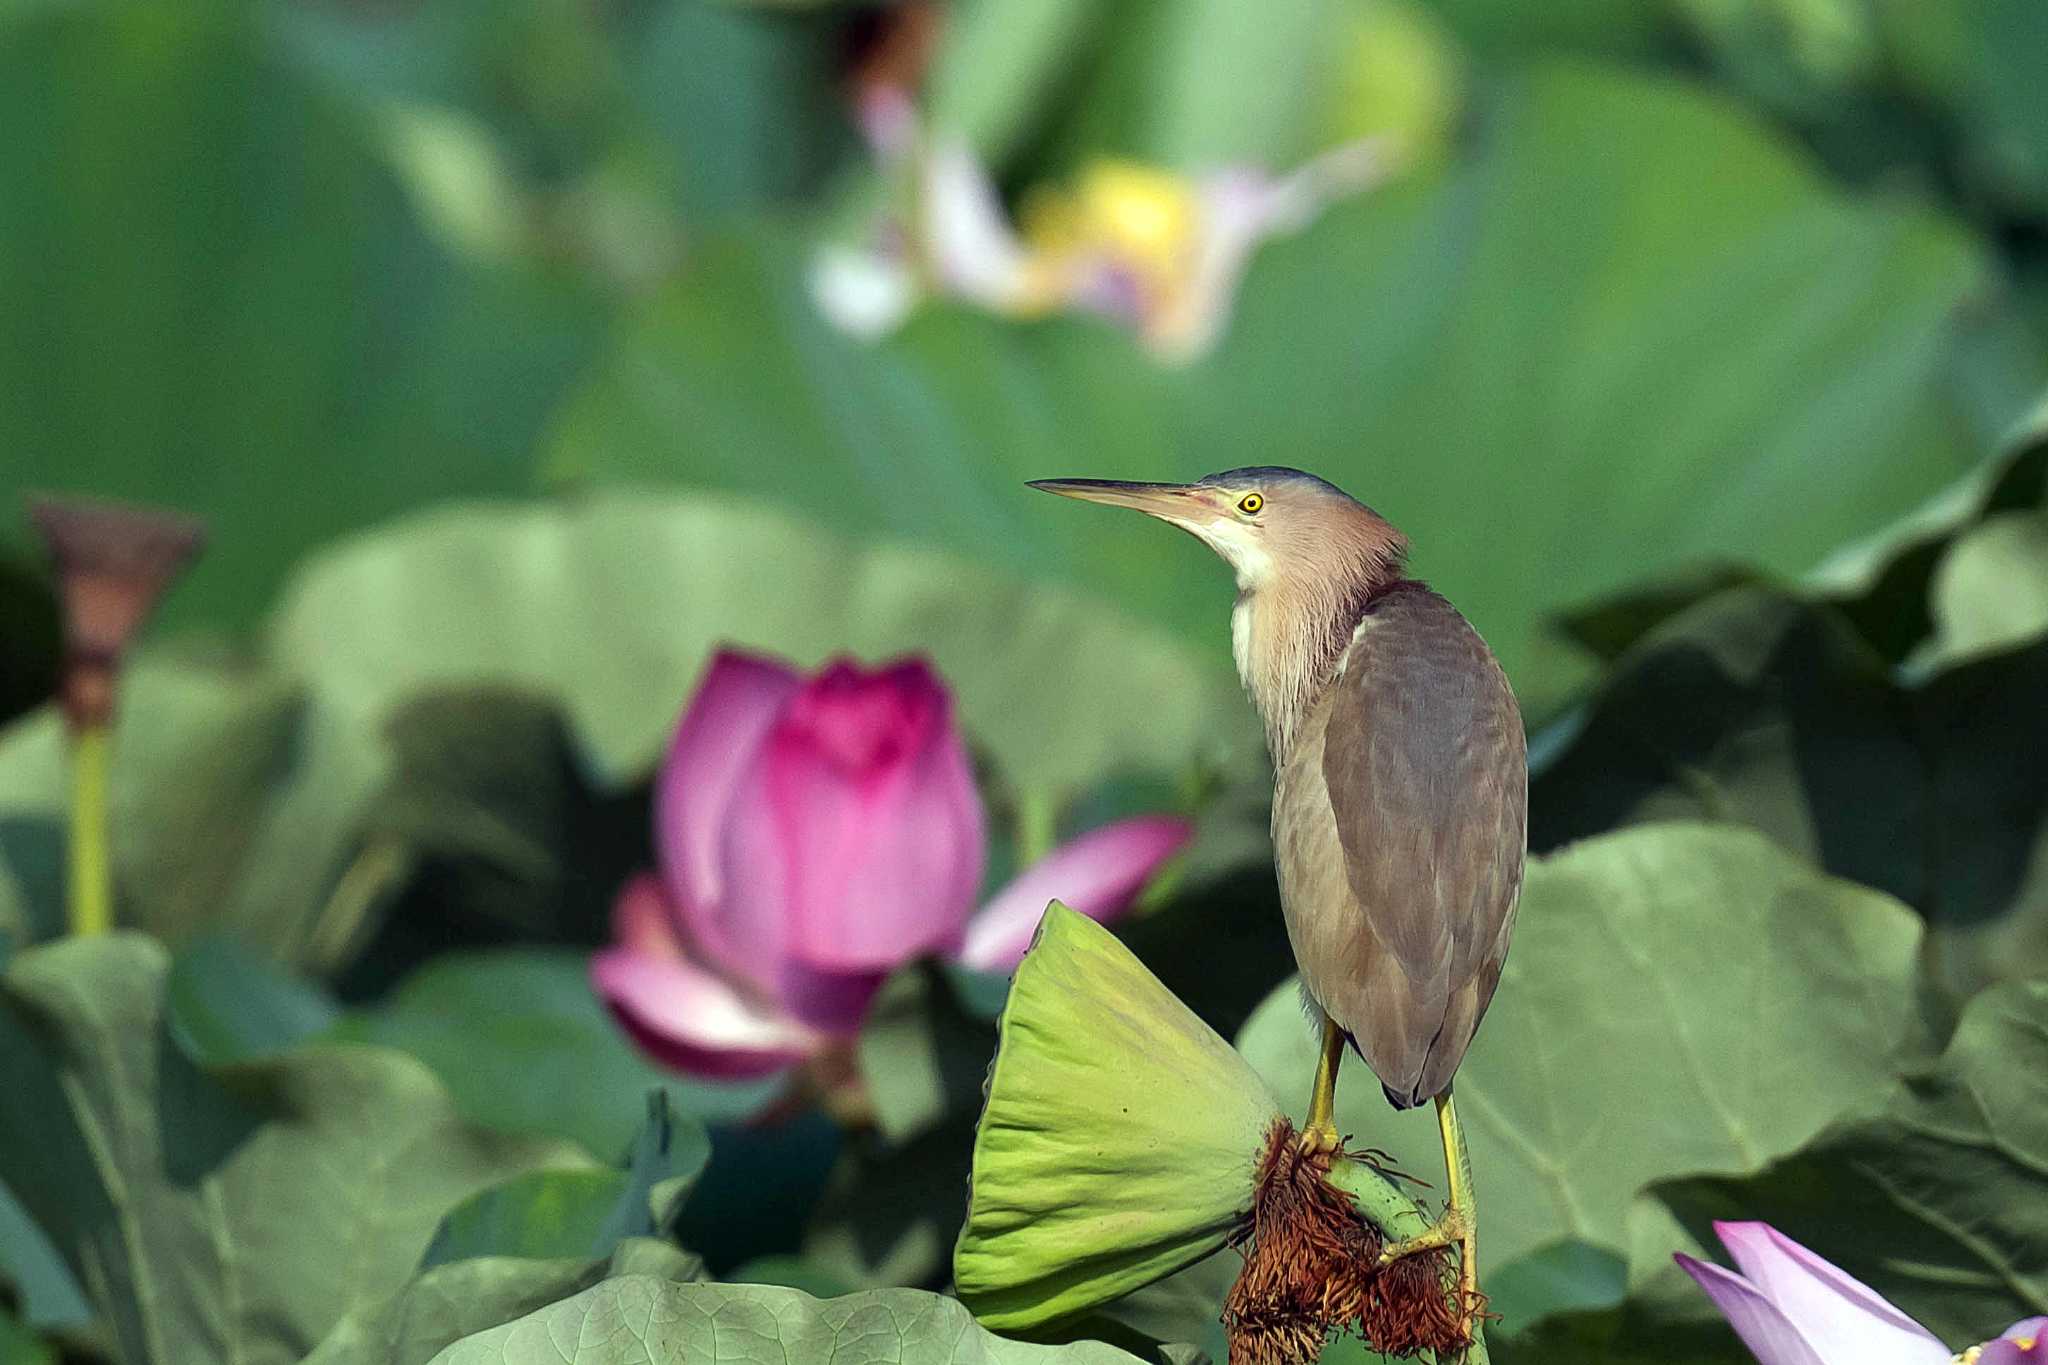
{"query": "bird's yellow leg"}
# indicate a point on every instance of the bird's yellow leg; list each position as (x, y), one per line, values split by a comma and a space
(1459, 1226)
(1320, 1133)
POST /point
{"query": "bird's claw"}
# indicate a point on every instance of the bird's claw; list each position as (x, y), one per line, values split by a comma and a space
(1448, 1231)
(1454, 1229)
(1318, 1139)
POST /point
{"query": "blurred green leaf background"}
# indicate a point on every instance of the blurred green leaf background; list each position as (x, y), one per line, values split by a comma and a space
(1700, 346)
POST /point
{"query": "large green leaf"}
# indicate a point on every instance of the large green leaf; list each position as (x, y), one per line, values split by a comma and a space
(582, 1213)
(718, 108)
(613, 604)
(1758, 708)
(1750, 704)
(1561, 1277)
(1193, 87)
(1991, 591)
(1940, 1202)
(437, 695)
(30, 625)
(542, 1215)
(18, 913)
(1689, 346)
(244, 805)
(1679, 998)
(224, 1003)
(33, 1274)
(747, 107)
(222, 302)
(1983, 68)
(635, 1320)
(446, 1303)
(1507, 30)
(998, 73)
(1905, 93)
(512, 838)
(1198, 87)
(524, 1045)
(237, 807)
(892, 1210)
(19, 1345)
(234, 1212)
(1885, 581)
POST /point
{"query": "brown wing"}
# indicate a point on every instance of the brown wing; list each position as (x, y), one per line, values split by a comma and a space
(1428, 784)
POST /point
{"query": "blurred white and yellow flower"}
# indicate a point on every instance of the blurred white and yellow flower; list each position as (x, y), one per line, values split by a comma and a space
(1158, 251)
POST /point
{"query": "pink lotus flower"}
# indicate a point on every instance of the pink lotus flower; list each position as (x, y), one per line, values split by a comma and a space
(1791, 1307)
(814, 834)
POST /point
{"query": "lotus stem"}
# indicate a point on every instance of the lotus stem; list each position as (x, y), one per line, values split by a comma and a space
(1380, 1202)
(92, 883)
(1038, 816)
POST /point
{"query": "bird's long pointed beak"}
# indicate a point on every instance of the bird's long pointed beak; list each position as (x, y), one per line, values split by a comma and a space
(1173, 501)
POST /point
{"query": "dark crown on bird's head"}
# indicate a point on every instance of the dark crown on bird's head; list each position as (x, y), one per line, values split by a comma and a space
(1272, 476)
(1269, 478)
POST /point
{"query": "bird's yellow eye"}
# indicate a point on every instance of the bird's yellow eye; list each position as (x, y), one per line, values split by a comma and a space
(1250, 504)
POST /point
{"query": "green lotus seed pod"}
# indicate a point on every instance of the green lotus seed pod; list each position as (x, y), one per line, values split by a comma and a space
(1119, 1141)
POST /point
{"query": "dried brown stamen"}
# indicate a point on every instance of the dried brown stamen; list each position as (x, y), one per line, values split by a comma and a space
(1311, 1267)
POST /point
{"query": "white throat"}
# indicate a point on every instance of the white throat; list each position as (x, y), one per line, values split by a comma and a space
(1240, 547)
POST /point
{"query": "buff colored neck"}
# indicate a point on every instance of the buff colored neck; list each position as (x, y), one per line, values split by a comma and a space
(1288, 636)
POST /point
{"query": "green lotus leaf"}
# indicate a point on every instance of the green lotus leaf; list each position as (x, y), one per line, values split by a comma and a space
(1682, 998)
(1935, 1200)
(1827, 322)
(1761, 708)
(501, 593)
(222, 1212)
(447, 1303)
(1991, 592)
(259, 242)
(642, 1319)
(1119, 1139)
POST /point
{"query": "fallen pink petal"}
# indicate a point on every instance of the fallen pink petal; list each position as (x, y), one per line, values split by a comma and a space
(1098, 874)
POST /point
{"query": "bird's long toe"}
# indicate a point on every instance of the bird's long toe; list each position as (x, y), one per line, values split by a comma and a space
(1318, 1139)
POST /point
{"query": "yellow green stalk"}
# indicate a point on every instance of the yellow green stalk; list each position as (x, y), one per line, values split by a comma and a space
(92, 879)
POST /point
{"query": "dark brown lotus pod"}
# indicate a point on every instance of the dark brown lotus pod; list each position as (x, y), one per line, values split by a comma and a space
(113, 562)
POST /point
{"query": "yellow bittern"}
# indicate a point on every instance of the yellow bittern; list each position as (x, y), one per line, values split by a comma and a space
(1401, 787)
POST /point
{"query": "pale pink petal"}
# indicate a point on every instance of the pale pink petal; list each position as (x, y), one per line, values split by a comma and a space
(644, 920)
(1845, 1320)
(866, 293)
(864, 823)
(974, 252)
(1768, 1334)
(689, 1019)
(887, 118)
(720, 735)
(834, 1003)
(1098, 874)
(2023, 1343)
(1241, 210)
